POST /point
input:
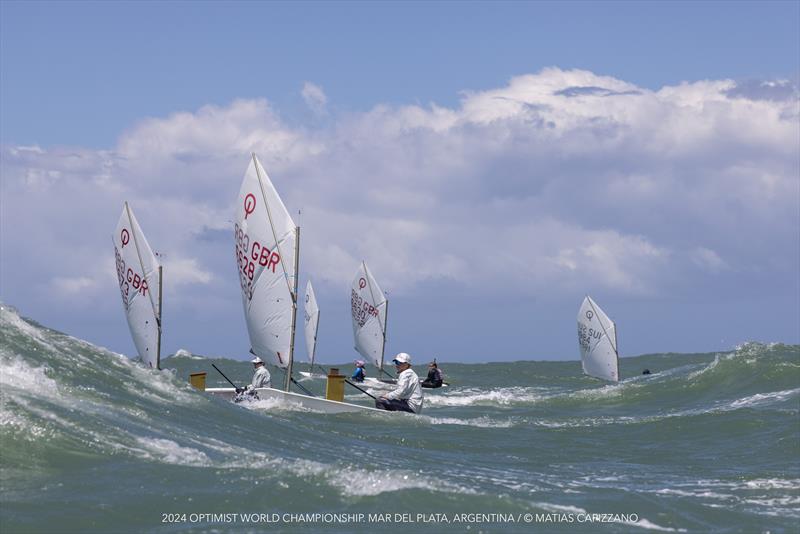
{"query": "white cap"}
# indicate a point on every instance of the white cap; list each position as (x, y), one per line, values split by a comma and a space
(256, 360)
(402, 358)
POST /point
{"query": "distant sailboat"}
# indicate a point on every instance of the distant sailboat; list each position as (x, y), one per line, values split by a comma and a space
(311, 317)
(139, 276)
(597, 339)
(369, 308)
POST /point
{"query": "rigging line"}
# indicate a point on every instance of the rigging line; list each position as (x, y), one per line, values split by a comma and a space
(298, 384)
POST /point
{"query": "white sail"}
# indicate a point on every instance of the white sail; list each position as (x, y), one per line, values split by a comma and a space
(369, 306)
(139, 277)
(311, 322)
(597, 338)
(266, 254)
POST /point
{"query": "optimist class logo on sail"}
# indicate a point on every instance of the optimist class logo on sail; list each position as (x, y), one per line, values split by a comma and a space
(252, 257)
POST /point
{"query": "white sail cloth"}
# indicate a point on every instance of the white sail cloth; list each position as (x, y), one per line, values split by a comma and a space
(266, 238)
(369, 307)
(311, 321)
(139, 284)
(597, 339)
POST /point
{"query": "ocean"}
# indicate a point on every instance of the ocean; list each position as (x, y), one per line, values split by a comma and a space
(90, 441)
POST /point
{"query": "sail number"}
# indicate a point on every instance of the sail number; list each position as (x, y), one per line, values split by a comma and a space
(128, 278)
(361, 309)
(249, 255)
(586, 334)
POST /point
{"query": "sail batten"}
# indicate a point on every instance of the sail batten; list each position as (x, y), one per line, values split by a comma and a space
(597, 340)
(368, 307)
(139, 277)
(266, 254)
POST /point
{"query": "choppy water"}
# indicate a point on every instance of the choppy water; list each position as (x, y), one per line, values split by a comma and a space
(92, 442)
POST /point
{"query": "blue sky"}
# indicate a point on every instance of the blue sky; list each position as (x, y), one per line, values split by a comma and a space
(492, 162)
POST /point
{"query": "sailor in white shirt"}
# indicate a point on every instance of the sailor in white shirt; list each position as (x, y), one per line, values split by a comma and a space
(261, 378)
(407, 396)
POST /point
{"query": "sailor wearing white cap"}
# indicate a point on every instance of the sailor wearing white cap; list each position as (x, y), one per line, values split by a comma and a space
(407, 396)
(261, 378)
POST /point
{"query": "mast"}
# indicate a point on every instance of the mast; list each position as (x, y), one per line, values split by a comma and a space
(294, 306)
(383, 347)
(158, 345)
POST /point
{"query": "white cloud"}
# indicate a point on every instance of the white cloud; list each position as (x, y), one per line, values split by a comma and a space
(315, 98)
(186, 271)
(70, 287)
(559, 181)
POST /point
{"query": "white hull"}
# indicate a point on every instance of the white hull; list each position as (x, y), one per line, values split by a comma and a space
(315, 404)
(305, 374)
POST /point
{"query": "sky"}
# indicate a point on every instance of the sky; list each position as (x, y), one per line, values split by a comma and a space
(492, 162)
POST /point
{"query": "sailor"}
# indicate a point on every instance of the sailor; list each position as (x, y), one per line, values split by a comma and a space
(261, 378)
(407, 397)
(434, 379)
(358, 374)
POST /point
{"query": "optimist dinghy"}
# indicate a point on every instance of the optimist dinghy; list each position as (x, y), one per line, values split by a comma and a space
(597, 340)
(267, 254)
(139, 277)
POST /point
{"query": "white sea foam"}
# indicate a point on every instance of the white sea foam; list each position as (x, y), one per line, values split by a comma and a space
(760, 399)
(567, 509)
(16, 374)
(170, 452)
(480, 422)
(500, 396)
(183, 353)
(773, 483)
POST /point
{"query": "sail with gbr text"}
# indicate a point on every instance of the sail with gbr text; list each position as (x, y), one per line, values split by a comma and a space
(139, 277)
(369, 308)
(597, 339)
(266, 254)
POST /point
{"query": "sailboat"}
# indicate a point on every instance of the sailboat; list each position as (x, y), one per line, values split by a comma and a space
(139, 275)
(370, 308)
(597, 339)
(267, 254)
(311, 317)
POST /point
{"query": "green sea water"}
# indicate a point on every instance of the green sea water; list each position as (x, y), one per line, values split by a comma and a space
(92, 442)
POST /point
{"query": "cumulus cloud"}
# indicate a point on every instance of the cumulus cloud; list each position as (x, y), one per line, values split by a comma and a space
(563, 180)
(315, 98)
